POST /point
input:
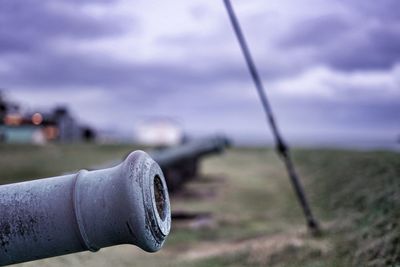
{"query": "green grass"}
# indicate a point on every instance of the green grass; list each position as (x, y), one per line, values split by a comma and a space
(361, 193)
(256, 218)
(24, 162)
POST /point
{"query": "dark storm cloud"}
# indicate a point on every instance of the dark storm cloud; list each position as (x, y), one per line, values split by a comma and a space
(316, 31)
(27, 25)
(383, 10)
(378, 49)
(74, 69)
(366, 41)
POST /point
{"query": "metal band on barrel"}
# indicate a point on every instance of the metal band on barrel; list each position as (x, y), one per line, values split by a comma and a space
(78, 215)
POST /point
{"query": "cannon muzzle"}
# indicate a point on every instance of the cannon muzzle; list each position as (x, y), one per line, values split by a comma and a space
(89, 210)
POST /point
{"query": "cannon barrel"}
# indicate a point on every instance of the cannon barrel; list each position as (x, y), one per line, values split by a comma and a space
(89, 210)
(180, 163)
(192, 149)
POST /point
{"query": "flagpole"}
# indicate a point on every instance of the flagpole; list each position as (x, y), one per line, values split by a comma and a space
(281, 147)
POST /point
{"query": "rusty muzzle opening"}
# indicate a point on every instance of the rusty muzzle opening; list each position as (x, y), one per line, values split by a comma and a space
(159, 195)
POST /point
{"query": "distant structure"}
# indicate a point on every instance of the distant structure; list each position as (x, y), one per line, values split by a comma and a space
(159, 132)
(57, 125)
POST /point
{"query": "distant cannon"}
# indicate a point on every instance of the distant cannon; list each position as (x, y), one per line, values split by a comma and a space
(180, 163)
(89, 210)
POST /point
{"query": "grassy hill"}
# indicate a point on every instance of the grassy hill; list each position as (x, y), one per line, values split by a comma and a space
(250, 216)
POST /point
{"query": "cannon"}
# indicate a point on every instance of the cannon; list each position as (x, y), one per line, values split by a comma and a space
(180, 163)
(88, 210)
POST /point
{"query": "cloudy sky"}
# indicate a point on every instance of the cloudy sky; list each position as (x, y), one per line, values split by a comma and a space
(330, 68)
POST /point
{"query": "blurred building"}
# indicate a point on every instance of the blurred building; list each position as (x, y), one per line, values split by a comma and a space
(57, 125)
(159, 132)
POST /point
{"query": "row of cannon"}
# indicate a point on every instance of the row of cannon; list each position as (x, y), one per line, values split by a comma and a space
(90, 210)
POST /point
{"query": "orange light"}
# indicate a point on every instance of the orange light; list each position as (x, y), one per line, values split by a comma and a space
(13, 119)
(37, 118)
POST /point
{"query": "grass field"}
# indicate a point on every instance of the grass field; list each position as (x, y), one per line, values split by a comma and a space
(254, 219)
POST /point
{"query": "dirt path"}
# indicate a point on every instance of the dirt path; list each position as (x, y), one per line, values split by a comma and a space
(261, 249)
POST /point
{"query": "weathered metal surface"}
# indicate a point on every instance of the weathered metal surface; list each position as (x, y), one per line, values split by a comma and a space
(89, 210)
(180, 163)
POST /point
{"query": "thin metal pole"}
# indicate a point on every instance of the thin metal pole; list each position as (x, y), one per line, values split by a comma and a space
(281, 148)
